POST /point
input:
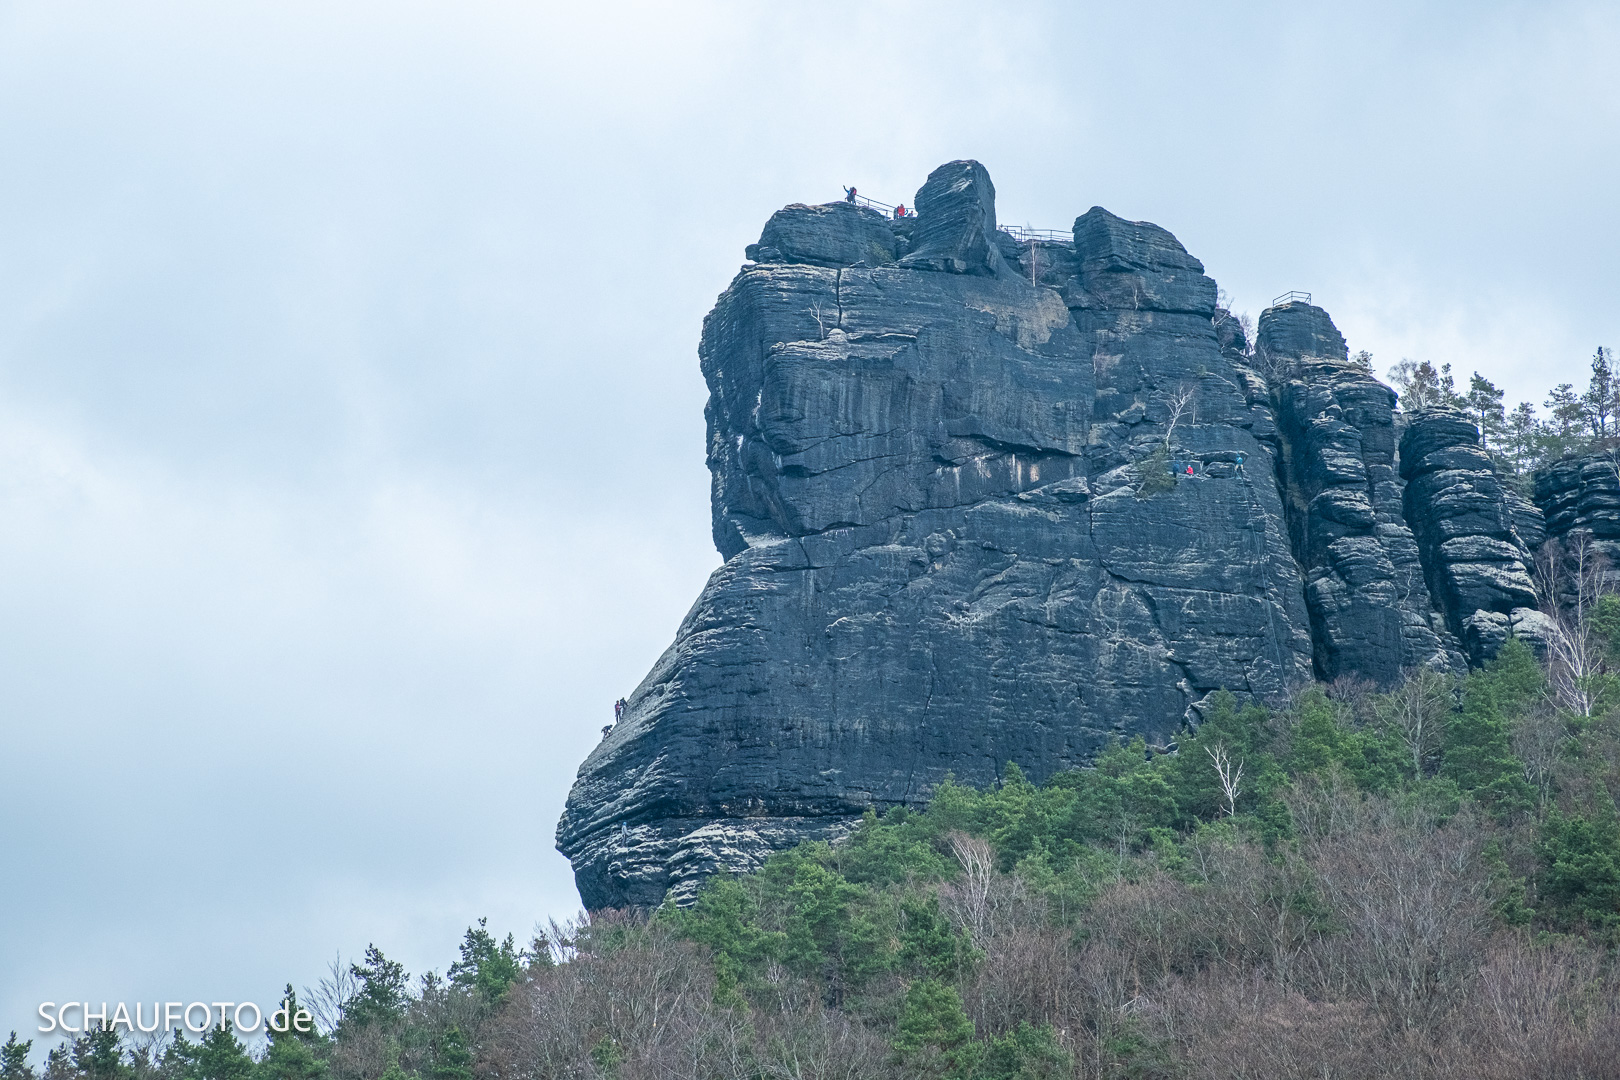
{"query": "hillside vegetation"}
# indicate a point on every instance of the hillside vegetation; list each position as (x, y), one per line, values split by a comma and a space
(1420, 883)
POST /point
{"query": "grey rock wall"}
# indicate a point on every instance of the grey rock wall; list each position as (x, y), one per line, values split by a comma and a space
(928, 443)
(1371, 613)
(1582, 495)
(1474, 558)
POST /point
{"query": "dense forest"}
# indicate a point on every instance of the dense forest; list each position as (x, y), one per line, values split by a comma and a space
(1419, 882)
(1423, 882)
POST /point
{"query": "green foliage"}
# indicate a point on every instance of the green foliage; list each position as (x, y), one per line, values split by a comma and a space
(382, 994)
(901, 849)
(14, 1059)
(1478, 741)
(221, 1056)
(928, 945)
(487, 969)
(289, 1058)
(452, 1060)
(292, 1054)
(97, 1055)
(1153, 473)
(934, 1034)
(218, 1055)
(1580, 872)
(726, 918)
(1139, 862)
(607, 1055)
(1323, 737)
(1245, 736)
(1027, 1053)
(394, 1072)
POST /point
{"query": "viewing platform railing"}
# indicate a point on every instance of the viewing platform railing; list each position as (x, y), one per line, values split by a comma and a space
(1023, 234)
(1290, 297)
(882, 207)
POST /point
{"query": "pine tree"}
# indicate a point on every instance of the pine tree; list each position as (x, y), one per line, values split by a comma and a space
(294, 1054)
(1599, 405)
(1478, 747)
(934, 1029)
(221, 1056)
(1485, 406)
(1522, 438)
(486, 969)
(382, 996)
(14, 1059)
(451, 1059)
(98, 1055)
(1566, 420)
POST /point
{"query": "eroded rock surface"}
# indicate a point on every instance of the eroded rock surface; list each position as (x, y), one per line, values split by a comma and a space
(1371, 612)
(1474, 558)
(928, 442)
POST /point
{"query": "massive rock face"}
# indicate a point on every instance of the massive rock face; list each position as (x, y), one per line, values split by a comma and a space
(1581, 496)
(1370, 606)
(928, 444)
(1474, 559)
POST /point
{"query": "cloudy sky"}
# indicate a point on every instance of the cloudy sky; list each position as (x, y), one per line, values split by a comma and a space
(351, 436)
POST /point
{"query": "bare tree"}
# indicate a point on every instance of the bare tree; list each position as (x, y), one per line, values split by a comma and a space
(978, 866)
(1231, 779)
(330, 997)
(1183, 402)
(1539, 739)
(1416, 711)
(1570, 576)
(821, 322)
(1413, 898)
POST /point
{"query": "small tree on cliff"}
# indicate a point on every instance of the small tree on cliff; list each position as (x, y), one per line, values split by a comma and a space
(1183, 405)
(1485, 406)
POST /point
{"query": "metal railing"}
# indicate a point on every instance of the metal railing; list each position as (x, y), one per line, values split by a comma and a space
(1023, 234)
(874, 204)
(1290, 297)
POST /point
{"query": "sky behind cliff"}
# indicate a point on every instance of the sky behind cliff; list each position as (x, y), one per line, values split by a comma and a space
(351, 436)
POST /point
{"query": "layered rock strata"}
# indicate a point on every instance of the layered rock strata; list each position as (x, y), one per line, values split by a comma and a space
(1371, 613)
(951, 486)
(1581, 496)
(1467, 526)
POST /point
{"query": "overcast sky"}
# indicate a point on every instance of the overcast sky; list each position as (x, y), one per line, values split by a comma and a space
(351, 434)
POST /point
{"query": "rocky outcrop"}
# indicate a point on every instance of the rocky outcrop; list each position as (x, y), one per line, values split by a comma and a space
(955, 228)
(1474, 557)
(1581, 496)
(1371, 613)
(942, 484)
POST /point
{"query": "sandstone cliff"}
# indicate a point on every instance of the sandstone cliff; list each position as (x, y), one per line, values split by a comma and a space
(928, 444)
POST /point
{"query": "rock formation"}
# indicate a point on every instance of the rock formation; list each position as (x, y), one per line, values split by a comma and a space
(950, 483)
(1371, 612)
(1474, 559)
